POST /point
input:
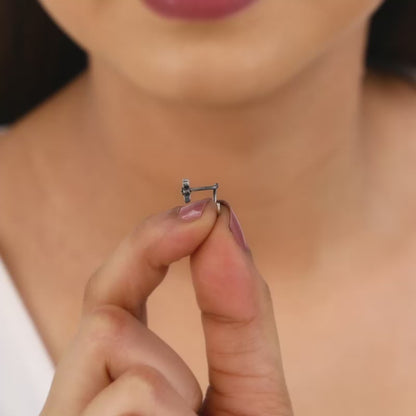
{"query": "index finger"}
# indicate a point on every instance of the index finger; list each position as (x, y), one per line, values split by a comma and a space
(141, 260)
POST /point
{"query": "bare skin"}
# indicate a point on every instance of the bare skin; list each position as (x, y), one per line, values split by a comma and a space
(320, 174)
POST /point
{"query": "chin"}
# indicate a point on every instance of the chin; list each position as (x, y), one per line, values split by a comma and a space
(228, 63)
(231, 62)
(211, 78)
(214, 70)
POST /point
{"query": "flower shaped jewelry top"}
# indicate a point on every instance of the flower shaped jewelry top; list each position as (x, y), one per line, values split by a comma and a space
(186, 191)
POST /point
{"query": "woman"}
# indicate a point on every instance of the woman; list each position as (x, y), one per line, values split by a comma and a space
(272, 100)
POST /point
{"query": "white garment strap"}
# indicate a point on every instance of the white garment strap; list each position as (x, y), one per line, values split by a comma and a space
(26, 370)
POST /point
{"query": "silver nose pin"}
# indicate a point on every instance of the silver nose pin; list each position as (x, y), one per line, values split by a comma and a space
(186, 191)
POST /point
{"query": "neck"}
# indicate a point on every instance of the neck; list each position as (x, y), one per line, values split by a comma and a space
(288, 163)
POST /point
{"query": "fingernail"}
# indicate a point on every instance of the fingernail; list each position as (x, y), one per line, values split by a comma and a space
(193, 211)
(235, 227)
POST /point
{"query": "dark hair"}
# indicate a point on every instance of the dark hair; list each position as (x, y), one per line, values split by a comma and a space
(392, 38)
(37, 58)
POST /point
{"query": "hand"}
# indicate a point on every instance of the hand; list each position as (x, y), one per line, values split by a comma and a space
(115, 365)
(242, 346)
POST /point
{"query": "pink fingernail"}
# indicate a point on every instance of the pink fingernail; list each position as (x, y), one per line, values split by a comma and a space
(193, 211)
(235, 227)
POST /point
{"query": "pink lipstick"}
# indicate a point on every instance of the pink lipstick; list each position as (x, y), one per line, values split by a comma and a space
(197, 9)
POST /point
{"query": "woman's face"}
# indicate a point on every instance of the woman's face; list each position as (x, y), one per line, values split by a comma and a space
(228, 60)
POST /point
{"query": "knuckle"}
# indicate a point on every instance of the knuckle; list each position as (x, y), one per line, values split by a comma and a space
(104, 326)
(233, 323)
(151, 377)
(140, 230)
(107, 320)
(148, 381)
(146, 238)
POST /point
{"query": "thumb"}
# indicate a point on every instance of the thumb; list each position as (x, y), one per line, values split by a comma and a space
(242, 346)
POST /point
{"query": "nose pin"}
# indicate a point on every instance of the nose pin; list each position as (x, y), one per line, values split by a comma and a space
(186, 191)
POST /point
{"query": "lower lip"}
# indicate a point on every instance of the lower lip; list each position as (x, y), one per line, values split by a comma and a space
(197, 9)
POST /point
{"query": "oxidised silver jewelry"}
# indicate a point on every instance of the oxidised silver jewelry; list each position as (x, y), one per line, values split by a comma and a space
(186, 191)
